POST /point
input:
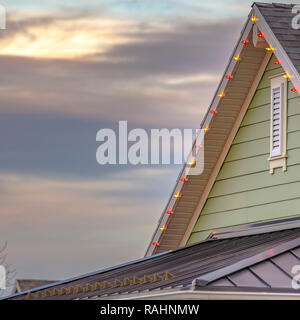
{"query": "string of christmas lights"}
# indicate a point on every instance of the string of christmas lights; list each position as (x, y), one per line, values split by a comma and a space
(213, 112)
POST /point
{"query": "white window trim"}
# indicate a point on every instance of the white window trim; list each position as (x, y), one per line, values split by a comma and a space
(278, 158)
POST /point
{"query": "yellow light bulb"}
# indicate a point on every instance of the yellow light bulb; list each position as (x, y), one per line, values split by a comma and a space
(287, 75)
(192, 163)
(237, 58)
(270, 48)
(163, 228)
(177, 195)
(254, 19)
(222, 94)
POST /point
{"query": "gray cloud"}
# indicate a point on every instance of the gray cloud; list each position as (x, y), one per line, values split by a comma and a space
(130, 83)
(50, 112)
(64, 230)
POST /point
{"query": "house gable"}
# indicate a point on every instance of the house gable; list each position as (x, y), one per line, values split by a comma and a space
(232, 98)
(244, 190)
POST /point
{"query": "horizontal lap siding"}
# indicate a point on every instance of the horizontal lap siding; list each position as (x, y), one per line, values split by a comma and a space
(244, 190)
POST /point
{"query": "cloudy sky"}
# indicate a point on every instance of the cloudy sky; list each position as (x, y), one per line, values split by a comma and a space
(66, 72)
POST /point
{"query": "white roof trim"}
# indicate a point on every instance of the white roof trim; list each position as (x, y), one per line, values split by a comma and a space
(209, 295)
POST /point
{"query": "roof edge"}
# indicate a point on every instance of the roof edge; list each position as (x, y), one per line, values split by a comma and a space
(82, 276)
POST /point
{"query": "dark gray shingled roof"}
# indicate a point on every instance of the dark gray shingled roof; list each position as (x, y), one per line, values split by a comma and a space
(206, 261)
(279, 18)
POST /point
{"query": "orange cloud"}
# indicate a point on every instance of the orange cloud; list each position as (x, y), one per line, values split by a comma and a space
(65, 37)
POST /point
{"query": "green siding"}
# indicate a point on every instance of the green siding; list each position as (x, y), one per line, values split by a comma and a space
(244, 190)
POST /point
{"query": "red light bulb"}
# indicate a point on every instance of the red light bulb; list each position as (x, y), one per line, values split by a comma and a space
(294, 90)
(156, 244)
(214, 111)
(228, 76)
(260, 35)
(184, 179)
(170, 211)
(277, 62)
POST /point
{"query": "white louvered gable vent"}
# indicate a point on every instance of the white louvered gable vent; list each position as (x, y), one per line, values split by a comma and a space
(276, 122)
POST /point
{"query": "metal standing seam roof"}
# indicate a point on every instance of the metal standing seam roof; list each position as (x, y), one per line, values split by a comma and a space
(235, 261)
(275, 272)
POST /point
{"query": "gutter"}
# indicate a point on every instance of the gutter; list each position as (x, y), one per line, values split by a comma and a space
(211, 295)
